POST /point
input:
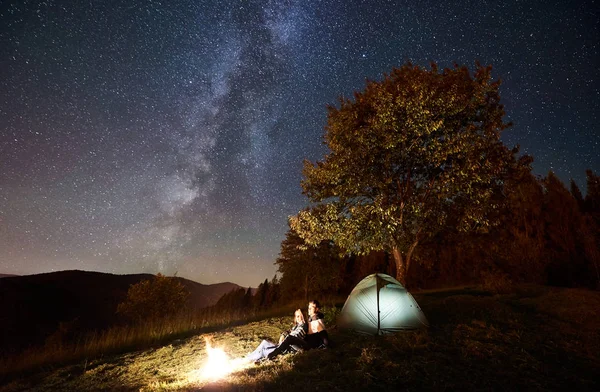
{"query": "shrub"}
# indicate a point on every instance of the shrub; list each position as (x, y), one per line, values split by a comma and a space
(154, 299)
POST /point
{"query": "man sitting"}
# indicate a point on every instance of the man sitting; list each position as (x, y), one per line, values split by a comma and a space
(317, 333)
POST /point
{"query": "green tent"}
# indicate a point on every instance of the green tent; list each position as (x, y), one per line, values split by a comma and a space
(379, 304)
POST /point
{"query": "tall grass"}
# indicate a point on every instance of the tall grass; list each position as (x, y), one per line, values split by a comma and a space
(58, 350)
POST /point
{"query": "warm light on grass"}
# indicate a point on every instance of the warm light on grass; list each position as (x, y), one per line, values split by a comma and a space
(118, 339)
(217, 365)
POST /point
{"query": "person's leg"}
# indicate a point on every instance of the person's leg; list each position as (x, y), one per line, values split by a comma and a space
(278, 350)
(268, 350)
(318, 340)
(263, 349)
(324, 336)
(299, 342)
(313, 340)
(255, 355)
(287, 342)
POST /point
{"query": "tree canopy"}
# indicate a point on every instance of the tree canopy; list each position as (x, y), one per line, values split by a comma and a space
(410, 154)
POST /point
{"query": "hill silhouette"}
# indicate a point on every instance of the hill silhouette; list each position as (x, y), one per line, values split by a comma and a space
(33, 307)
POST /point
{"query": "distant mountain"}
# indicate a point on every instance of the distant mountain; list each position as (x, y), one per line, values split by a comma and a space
(33, 306)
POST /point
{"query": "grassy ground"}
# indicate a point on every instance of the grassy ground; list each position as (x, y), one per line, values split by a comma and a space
(538, 338)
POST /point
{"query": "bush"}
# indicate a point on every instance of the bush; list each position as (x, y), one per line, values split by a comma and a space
(330, 314)
(154, 299)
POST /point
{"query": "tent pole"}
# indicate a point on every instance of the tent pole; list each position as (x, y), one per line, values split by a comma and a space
(378, 311)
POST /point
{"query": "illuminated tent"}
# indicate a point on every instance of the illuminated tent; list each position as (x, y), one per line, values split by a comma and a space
(379, 304)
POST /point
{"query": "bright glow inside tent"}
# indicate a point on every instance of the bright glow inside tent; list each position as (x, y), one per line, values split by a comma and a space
(379, 304)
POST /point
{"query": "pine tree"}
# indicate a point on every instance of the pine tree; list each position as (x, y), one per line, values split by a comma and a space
(577, 195)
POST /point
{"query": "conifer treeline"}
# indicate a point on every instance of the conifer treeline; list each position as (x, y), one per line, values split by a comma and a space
(546, 234)
(240, 302)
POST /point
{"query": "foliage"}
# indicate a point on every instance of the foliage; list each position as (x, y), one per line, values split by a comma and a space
(233, 300)
(244, 303)
(592, 198)
(563, 224)
(591, 223)
(411, 154)
(516, 246)
(154, 299)
(545, 236)
(261, 297)
(330, 314)
(307, 272)
(274, 293)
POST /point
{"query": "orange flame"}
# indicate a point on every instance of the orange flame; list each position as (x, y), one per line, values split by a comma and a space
(218, 364)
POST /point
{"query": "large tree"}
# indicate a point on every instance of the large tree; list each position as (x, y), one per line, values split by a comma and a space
(410, 154)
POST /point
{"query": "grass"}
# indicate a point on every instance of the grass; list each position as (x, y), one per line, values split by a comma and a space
(119, 339)
(537, 338)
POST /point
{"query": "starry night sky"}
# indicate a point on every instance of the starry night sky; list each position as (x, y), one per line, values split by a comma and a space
(168, 136)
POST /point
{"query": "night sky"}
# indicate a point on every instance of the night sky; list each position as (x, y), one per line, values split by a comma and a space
(168, 136)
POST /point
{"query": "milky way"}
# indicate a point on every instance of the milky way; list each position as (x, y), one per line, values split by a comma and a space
(147, 136)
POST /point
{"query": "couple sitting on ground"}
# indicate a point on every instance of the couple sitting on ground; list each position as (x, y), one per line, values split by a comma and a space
(302, 336)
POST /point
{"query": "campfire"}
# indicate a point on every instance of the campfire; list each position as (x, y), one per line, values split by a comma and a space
(217, 364)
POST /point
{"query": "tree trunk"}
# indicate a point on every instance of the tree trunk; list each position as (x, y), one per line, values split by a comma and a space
(400, 266)
(403, 263)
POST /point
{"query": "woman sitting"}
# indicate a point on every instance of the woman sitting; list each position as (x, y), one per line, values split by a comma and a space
(287, 340)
